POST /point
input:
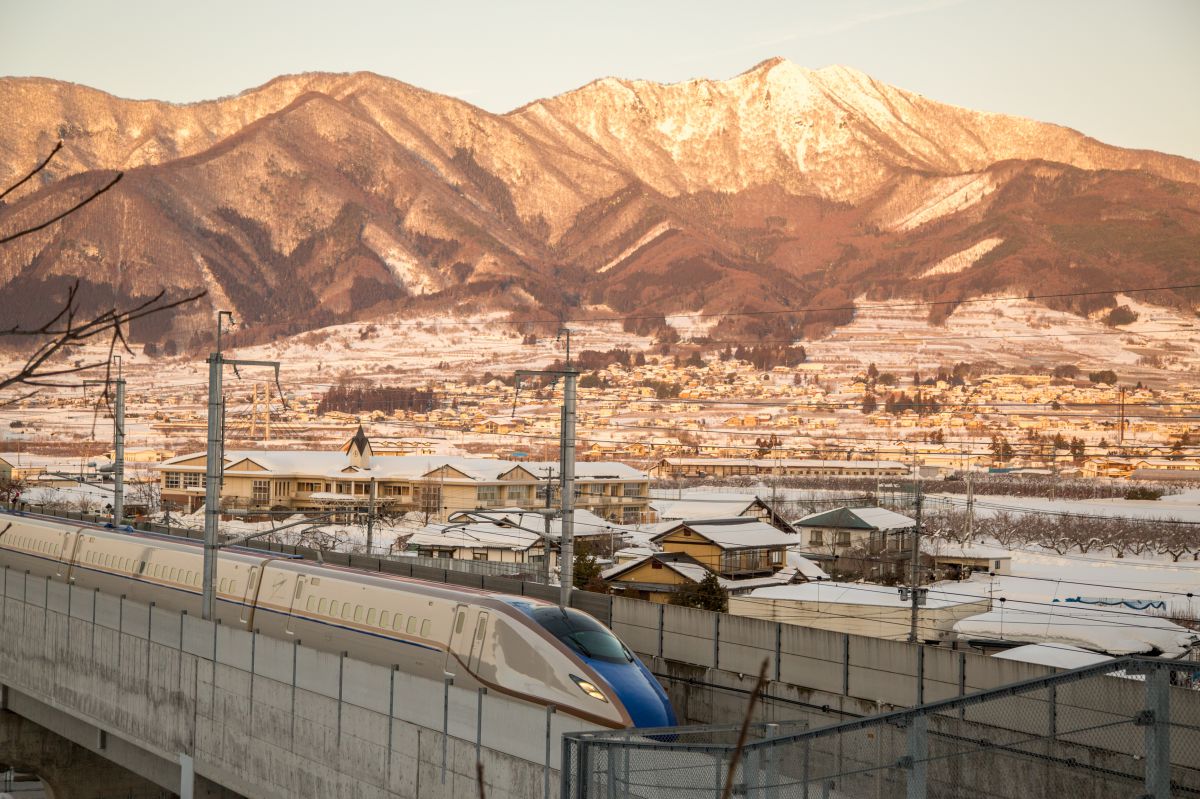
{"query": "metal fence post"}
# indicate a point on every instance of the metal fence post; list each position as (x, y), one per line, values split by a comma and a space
(804, 777)
(661, 610)
(479, 725)
(447, 681)
(583, 781)
(920, 674)
(546, 765)
(1158, 733)
(918, 754)
(845, 665)
(778, 652)
(716, 640)
(770, 762)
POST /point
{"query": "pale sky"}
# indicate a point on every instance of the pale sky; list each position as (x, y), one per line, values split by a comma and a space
(1127, 73)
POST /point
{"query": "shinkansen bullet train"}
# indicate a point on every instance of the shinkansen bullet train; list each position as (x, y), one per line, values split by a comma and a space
(522, 647)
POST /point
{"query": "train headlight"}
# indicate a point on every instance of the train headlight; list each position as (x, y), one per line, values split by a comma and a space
(589, 689)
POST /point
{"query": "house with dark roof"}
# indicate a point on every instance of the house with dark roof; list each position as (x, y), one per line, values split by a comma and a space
(857, 540)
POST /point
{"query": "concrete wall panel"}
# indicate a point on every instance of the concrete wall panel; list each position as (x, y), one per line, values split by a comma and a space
(165, 627)
(108, 611)
(941, 673)
(745, 643)
(891, 678)
(688, 635)
(14, 584)
(198, 637)
(274, 658)
(367, 685)
(234, 647)
(636, 623)
(57, 596)
(417, 700)
(83, 603)
(35, 591)
(811, 658)
(318, 672)
(135, 618)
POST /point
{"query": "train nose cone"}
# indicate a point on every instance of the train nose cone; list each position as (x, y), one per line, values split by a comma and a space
(641, 694)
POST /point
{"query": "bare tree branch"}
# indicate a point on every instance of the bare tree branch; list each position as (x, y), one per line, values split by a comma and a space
(36, 169)
(62, 331)
(68, 212)
(743, 734)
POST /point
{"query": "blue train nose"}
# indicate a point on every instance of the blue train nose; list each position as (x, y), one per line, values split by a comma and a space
(637, 689)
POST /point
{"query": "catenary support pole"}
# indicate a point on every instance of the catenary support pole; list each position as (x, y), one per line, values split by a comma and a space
(212, 476)
(119, 448)
(567, 469)
(915, 576)
(370, 515)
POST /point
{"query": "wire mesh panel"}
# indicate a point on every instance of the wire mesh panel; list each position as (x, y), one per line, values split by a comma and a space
(1130, 728)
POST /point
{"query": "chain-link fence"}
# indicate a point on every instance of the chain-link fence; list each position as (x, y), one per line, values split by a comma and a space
(1063, 736)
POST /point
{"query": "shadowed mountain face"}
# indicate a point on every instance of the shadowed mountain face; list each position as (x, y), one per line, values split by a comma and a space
(324, 198)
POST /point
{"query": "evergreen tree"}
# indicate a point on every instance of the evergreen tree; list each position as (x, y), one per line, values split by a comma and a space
(708, 594)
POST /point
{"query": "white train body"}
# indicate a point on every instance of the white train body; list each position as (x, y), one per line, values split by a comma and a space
(525, 648)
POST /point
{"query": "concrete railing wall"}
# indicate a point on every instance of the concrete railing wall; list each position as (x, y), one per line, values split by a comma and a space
(261, 716)
(824, 671)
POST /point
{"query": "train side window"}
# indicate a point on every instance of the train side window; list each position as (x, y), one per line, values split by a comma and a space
(224, 585)
(412, 624)
(372, 616)
(385, 619)
(174, 577)
(346, 610)
(425, 628)
(311, 604)
(334, 607)
(358, 612)
(324, 606)
(459, 622)
(397, 623)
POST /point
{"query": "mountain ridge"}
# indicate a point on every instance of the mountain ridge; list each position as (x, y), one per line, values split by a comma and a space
(322, 197)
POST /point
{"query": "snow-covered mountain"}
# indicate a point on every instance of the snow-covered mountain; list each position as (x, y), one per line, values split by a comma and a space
(320, 198)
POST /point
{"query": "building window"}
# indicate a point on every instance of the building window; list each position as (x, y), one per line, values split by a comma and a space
(193, 480)
(308, 487)
(259, 491)
(488, 495)
(173, 480)
(279, 488)
(479, 555)
(816, 538)
(843, 538)
(633, 490)
(343, 488)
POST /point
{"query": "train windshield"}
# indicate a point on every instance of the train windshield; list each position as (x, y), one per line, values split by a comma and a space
(582, 633)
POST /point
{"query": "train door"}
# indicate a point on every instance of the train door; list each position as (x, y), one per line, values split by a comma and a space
(64, 555)
(461, 636)
(297, 596)
(247, 616)
(70, 556)
(477, 640)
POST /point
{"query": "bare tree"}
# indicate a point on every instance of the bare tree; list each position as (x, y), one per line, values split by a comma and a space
(70, 326)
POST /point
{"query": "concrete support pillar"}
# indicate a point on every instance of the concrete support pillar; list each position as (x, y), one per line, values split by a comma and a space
(67, 770)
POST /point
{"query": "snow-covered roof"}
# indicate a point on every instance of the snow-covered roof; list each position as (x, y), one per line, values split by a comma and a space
(856, 594)
(693, 570)
(791, 463)
(736, 533)
(586, 522)
(474, 536)
(808, 569)
(1117, 632)
(683, 509)
(1060, 656)
(334, 464)
(857, 518)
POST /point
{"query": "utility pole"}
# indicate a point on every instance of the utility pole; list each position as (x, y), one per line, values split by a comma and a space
(119, 448)
(118, 411)
(1121, 429)
(215, 463)
(566, 471)
(567, 565)
(916, 593)
(370, 514)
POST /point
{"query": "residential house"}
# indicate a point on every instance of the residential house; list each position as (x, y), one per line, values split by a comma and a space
(435, 485)
(857, 540)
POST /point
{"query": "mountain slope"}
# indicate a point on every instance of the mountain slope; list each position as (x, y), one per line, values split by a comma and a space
(320, 198)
